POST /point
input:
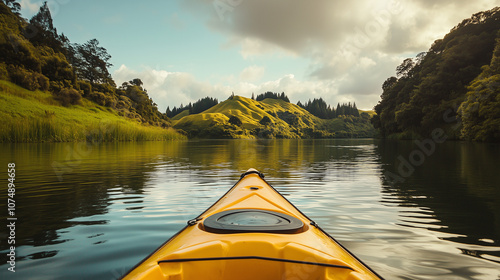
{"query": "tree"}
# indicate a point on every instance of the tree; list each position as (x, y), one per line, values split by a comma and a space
(13, 5)
(43, 18)
(136, 82)
(355, 111)
(404, 69)
(44, 32)
(389, 83)
(272, 95)
(91, 62)
(440, 79)
(420, 57)
(480, 112)
(141, 103)
(203, 104)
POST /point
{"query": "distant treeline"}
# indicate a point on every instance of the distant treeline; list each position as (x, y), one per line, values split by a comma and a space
(194, 108)
(320, 109)
(272, 95)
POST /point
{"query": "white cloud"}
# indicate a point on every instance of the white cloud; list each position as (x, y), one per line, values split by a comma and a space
(253, 47)
(171, 88)
(176, 88)
(351, 46)
(252, 73)
(30, 7)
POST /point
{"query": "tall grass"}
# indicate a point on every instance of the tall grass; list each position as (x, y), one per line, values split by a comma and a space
(125, 131)
(50, 130)
(26, 130)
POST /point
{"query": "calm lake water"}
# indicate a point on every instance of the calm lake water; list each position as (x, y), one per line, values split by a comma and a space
(92, 211)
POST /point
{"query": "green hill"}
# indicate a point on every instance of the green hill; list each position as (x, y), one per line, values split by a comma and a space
(240, 117)
(180, 115)
(35, 116)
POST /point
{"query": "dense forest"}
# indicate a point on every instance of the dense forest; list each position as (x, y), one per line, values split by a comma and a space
(454, 86)
(36, 57)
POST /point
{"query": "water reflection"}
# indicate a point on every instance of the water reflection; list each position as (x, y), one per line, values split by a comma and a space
(455, 191)
(100, 208)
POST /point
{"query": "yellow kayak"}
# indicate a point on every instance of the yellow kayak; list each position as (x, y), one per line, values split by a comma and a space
(250, 233)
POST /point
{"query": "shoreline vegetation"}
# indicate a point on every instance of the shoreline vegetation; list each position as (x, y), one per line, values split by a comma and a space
(454, 86)
(36, 117)
(271, 118)
(52, 90)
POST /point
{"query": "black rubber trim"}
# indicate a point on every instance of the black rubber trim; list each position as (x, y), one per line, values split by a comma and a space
(254, 258)
(212, 223)
(261, 175)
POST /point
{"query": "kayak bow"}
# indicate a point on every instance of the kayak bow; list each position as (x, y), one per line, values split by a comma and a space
(252, 232)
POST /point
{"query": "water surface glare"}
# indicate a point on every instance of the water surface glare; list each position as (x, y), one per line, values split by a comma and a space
(92, 211)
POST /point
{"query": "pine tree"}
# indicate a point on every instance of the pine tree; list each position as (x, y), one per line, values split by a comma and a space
(355, 110)
(45, 34)
(339, 111)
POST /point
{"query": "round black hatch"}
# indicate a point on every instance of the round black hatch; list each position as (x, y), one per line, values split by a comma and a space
(252, 220)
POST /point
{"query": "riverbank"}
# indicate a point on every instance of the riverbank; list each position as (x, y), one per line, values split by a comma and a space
(35, 116)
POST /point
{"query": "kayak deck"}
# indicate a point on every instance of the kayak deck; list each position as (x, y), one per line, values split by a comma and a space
(235, 250)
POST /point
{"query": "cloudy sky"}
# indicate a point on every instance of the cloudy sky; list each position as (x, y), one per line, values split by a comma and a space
(184, 50)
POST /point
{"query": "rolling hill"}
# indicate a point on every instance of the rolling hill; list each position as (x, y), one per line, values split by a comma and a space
(240, 117)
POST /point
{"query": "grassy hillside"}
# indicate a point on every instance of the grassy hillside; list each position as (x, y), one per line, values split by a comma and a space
(270, 118)
(180, 115)
(371, 113)
(34, 116)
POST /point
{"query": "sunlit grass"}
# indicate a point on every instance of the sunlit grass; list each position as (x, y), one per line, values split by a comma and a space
(28, 116)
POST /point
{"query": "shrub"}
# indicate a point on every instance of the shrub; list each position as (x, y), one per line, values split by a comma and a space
(102, 99)
(69, 96)
(4, 74)
(43, 82)
(98, 97)
(289, 118)
(28, 79)
(86, 87)
(235, 121)
(104, 88)
(265, 120)
(19, 51)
